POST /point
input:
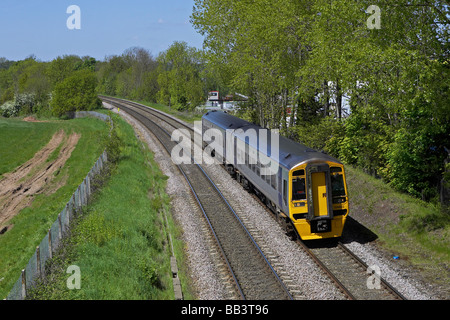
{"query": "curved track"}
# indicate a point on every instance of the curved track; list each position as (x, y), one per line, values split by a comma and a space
(254, 276)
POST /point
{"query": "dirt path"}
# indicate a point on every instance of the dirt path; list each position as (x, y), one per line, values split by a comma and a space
(17, 189)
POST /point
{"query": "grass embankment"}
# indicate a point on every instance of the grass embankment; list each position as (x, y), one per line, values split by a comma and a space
(19, 141)
(415, 230)
(120, 242)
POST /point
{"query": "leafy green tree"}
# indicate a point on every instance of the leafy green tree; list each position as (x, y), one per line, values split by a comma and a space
(62, 67)
(77, 92)
(311, 56)
(179, 78)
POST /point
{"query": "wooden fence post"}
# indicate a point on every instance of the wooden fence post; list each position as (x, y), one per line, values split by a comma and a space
(38, 260)
(24, 284)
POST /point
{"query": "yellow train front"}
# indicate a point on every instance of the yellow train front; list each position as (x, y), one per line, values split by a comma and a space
(306, 189)
(318, 202)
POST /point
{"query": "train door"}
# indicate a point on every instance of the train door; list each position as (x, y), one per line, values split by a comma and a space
(320, 206)
(320, 194)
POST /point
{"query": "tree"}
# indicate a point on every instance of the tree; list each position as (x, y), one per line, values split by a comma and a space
(257, 46)
(62, 67)
(310, 55)
(77, 92)
(179, 77)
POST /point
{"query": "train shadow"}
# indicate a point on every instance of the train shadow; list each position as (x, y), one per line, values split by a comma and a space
(356, 232)
(353, 232)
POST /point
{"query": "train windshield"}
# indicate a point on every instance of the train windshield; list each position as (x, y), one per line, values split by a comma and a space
(337, 185)
(298, 189)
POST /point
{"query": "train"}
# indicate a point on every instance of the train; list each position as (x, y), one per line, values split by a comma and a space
(305, 189)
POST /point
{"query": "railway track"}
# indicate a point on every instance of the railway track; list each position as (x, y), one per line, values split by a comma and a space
(354, 278)
(345, 269)
(255, 278)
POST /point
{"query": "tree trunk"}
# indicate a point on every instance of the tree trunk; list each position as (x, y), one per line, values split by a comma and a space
(338, 101)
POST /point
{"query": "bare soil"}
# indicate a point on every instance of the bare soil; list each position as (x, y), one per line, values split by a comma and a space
(19, 188)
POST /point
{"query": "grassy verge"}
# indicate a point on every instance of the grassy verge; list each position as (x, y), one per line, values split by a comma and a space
(120, 243)
(413, 229)
(18, 143)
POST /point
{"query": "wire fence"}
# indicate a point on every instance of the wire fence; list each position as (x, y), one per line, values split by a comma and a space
(36, 265)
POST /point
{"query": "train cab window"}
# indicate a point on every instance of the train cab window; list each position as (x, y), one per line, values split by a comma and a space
(298, 189)
(298, 173)
(335, 169)
(337, 185)
(285, 191)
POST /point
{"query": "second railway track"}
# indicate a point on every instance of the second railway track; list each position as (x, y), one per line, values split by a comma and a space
(255, 277)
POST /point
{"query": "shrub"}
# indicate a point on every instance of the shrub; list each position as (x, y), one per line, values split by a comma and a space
(9, 109)
(75, 93)
(23, 103)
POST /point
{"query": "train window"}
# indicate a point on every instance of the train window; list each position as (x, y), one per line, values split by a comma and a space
(274, 181)
(335, 169)
(298, 173)
(298, 189)
(240, 155)
(337, 185)
(285, 191)
(268, 179)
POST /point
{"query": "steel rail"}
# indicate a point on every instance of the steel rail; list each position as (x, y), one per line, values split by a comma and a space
(397, 295)
(327, 271)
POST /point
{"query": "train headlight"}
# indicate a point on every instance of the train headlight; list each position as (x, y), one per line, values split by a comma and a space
(339, 200)
(299, 204)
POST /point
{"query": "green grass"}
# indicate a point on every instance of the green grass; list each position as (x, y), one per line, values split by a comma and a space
(19, 141)
(121, 242)
(415, 230)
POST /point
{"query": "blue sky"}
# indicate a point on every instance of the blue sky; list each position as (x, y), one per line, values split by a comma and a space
(107, 27)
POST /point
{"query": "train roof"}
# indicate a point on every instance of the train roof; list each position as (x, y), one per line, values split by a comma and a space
(291, 153)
